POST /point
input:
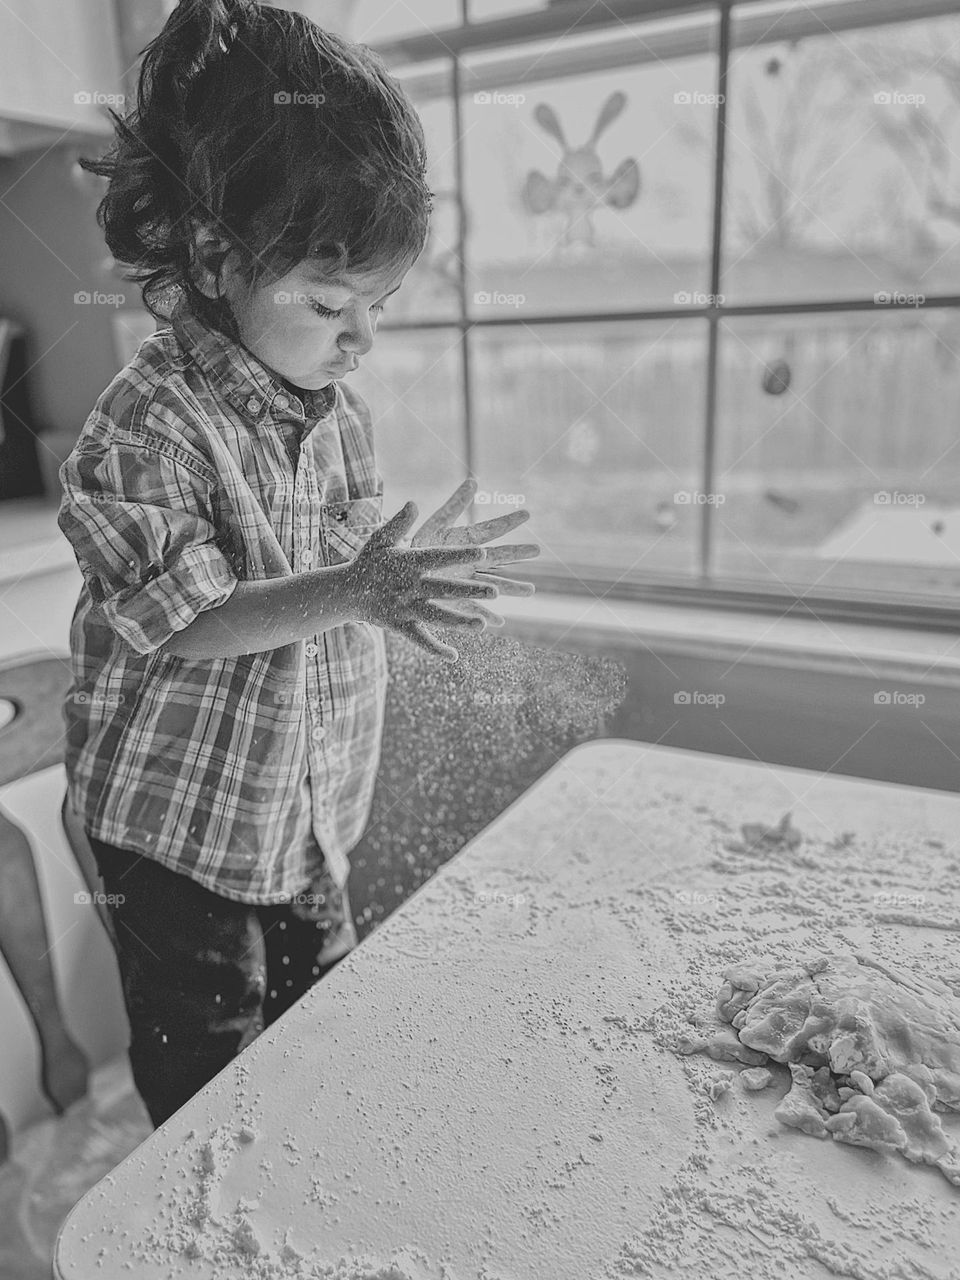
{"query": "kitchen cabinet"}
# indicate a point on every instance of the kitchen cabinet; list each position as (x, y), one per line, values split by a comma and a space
(60, 67)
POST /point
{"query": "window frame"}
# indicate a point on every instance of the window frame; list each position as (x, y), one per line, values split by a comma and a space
(405, 55)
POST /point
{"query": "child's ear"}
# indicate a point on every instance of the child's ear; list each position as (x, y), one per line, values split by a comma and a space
(207, 253)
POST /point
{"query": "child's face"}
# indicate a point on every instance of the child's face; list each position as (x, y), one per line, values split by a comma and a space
(308, 327)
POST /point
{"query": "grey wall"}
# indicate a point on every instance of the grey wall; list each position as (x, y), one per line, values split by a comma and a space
(50, 249)
(797, 714)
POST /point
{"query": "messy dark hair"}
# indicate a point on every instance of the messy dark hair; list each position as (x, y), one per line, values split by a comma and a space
(284, 140)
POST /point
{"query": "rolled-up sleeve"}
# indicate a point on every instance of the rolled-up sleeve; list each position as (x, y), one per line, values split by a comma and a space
(138, 515)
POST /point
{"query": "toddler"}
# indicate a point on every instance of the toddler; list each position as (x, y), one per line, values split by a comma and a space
(223, 501)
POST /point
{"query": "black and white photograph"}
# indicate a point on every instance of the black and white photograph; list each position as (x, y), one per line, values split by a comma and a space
(480, 640)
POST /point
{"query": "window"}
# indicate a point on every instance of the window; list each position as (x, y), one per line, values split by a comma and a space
(692, 293)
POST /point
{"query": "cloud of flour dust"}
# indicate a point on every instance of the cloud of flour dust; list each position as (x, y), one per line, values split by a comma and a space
(461, 742)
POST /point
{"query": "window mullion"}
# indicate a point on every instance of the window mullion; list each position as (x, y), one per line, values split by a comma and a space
(710, 417)
(466, 383)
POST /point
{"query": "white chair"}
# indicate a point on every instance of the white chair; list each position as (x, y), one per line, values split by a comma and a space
(78, 949)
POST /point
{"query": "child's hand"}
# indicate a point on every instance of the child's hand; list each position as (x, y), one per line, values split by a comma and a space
(438, 531)
(394, 585)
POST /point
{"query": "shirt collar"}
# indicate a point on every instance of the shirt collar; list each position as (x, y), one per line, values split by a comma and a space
(238, 375)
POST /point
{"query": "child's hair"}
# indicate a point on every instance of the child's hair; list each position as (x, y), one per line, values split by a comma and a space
(287, 141)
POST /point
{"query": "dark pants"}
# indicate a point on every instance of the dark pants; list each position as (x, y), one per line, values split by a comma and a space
(203, 976)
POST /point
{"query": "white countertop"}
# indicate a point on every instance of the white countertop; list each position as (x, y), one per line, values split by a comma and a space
(475, 1092)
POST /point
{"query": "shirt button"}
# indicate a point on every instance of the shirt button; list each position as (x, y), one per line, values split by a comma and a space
(253, 404)
(319, 733)
(282, 402)
(308, 557)
(311, 650)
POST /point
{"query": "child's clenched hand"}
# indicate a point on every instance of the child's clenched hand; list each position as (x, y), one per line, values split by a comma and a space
(395, 585)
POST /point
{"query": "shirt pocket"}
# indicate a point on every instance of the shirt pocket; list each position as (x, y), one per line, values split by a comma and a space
(347, 526)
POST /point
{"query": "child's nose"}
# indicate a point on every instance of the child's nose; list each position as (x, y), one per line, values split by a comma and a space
(358, 337)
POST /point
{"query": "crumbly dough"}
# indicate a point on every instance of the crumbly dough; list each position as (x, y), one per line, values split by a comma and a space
(722, 1044)
(753, 1079)
(873, 1054)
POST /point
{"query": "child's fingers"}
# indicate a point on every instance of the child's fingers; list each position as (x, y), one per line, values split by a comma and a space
(435, 613)
(440, 587)
(487, 530)
(508, 586)
(398, 526)
(514, 551)
(473, 606)
(418, 633)
(472, 535)
(446, 514)
(428, 558)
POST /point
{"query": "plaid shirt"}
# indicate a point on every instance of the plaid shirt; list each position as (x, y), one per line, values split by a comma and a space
(195, 470)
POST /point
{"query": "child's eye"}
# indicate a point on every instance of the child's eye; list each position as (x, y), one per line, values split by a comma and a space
(327, 313)
(322, 310)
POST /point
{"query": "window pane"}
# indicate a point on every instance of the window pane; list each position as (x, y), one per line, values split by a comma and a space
(431, 289)
(373, 21)
(484, 10)
(587, 192)
(838, 452)
(597, 429)
(843, 164)
(411, 381)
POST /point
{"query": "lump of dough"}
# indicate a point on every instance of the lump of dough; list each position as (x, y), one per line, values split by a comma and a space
(800, 1108)
(872, 1054)
(722, 1044)
(760, 838)
(861, 1081)
(740, 985)
(718, 1084)
(897, 1117)
(754, 1079)
(851, 1017)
